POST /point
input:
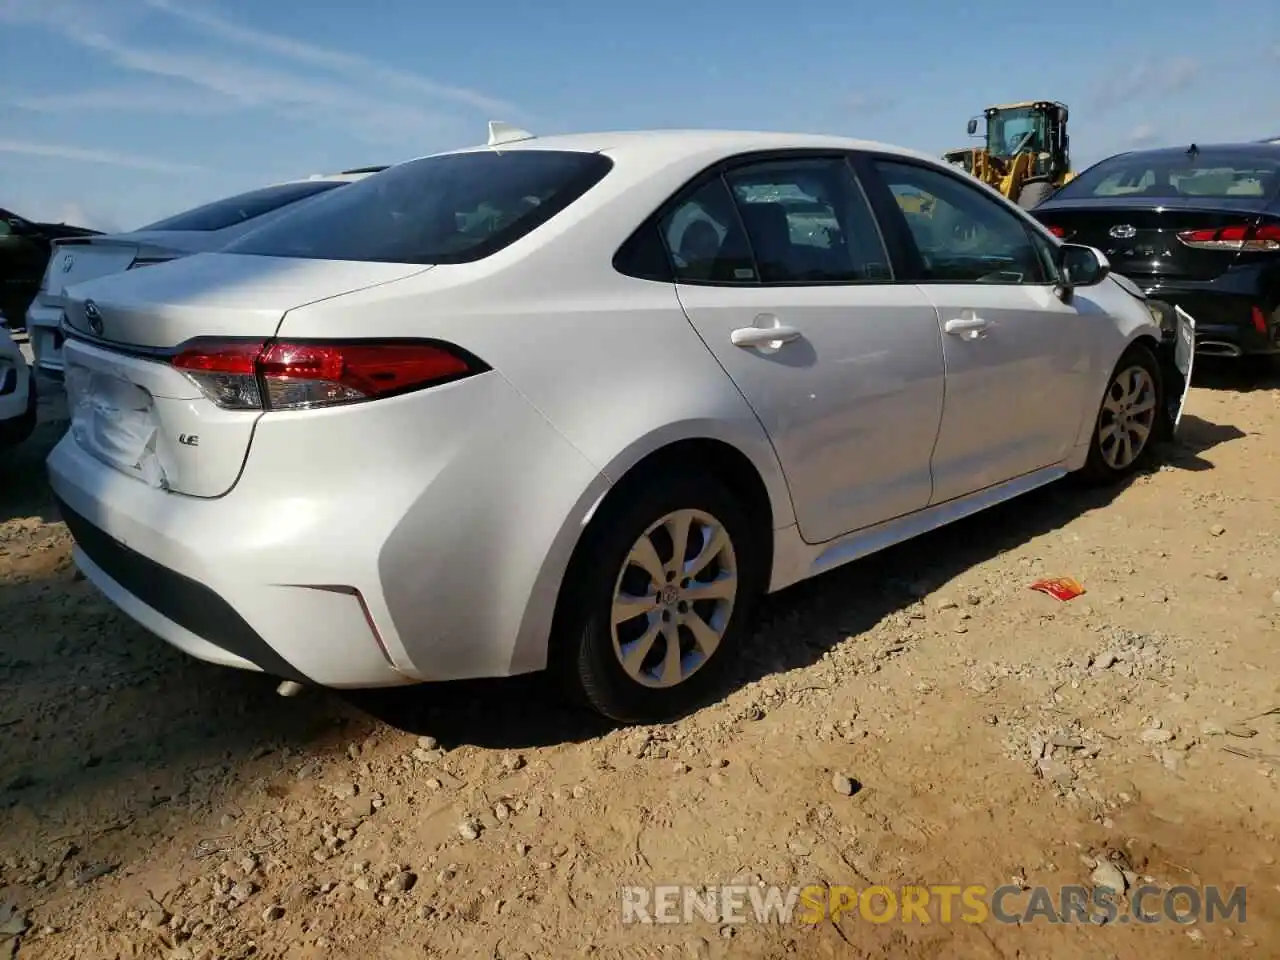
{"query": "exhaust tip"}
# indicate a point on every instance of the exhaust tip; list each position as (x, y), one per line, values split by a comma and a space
(289, 688)
(1218, 348)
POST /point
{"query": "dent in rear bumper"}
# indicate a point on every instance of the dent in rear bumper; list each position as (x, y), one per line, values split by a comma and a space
(175, 607)
(148, 552)
(452, 512)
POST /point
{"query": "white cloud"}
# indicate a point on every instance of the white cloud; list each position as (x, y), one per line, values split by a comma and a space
(1142, 134)
(137, 99)
(866, 104)
(60, 151)
(77, 216)
(255, 86)
(1146, 79)
(333, 60)
(326, 87)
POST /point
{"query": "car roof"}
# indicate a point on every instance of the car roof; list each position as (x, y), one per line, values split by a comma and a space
(346, 176)
(1255, 150)
(644, 144)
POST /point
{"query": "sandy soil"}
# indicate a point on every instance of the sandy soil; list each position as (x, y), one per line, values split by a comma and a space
(154, 806)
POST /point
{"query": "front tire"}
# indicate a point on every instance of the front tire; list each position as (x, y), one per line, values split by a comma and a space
(651, 628)
(1128, 418)
(1034, 194)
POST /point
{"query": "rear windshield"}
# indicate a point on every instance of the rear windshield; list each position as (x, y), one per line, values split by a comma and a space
(453, 208)
(1174, 176)
(245, 206)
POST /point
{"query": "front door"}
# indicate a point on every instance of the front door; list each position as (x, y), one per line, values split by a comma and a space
(1017, 357)
(781, 270)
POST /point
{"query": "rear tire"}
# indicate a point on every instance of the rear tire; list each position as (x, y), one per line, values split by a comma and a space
(645, 637)
(1034, 194)
(1128, 420)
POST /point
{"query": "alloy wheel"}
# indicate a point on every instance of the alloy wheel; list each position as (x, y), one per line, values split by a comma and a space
(1128, 417)
(673, 598)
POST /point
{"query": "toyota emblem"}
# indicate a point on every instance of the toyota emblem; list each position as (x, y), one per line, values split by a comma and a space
(93, 317)
(1123, 231)
(67, 263)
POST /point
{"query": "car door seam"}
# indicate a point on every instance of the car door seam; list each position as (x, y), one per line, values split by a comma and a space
(942, 408)
(738, 389)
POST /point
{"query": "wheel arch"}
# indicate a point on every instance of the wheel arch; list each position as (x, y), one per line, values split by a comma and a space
(749, 471)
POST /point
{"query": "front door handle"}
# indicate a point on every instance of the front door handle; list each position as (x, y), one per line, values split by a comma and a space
(968, 327)
(763, 336)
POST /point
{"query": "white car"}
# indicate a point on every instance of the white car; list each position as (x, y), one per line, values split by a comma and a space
(577, 402)
(17, 393)
(204, 228)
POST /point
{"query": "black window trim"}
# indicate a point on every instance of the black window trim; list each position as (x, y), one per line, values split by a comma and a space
(891, 213)
(717, 170)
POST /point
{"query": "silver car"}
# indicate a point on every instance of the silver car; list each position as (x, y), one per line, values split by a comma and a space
(205, 228)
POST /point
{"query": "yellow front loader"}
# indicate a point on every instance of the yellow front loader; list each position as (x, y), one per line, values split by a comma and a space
(1025, 152)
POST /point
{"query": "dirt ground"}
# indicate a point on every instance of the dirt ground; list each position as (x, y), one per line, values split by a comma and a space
(155, 806)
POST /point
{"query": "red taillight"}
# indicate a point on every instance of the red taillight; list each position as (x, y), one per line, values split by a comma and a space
(1056, 231)
(276, 375)
(1259, 320)
(1241, 236)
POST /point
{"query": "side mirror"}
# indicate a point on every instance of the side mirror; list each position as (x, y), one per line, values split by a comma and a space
(973, 126)
(1082, 266)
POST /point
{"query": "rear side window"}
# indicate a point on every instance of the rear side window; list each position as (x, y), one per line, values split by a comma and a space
(705, 239)
(454, 208)
(245, 206)
(802, 220)
(809, 222)
(1207, 174)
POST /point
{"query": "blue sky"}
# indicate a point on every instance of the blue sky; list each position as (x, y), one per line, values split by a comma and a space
(117, 112)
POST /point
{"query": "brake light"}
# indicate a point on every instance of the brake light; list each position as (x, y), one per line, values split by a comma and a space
(1246, 237)
(1056, 231)
(275, 375)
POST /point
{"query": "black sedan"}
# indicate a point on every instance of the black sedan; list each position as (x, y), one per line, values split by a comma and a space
(24, 253)
(1198, 227)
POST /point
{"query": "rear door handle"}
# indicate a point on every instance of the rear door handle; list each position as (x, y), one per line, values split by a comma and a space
(968, 327)
(763, 336)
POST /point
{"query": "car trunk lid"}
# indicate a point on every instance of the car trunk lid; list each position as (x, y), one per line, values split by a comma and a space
(76, 260)
(1140, 237)
(132, 409)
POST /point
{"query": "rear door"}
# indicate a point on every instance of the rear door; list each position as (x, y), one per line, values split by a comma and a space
(1018, 360)
(782, 271)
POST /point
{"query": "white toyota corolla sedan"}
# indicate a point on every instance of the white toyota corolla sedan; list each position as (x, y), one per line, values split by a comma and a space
(577, 402)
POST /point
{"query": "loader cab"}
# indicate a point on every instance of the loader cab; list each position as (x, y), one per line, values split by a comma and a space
(1037, 127)
(962, 158)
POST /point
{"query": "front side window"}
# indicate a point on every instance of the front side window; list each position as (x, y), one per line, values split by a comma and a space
(963, 235)
(452, 208)
(243, 207)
